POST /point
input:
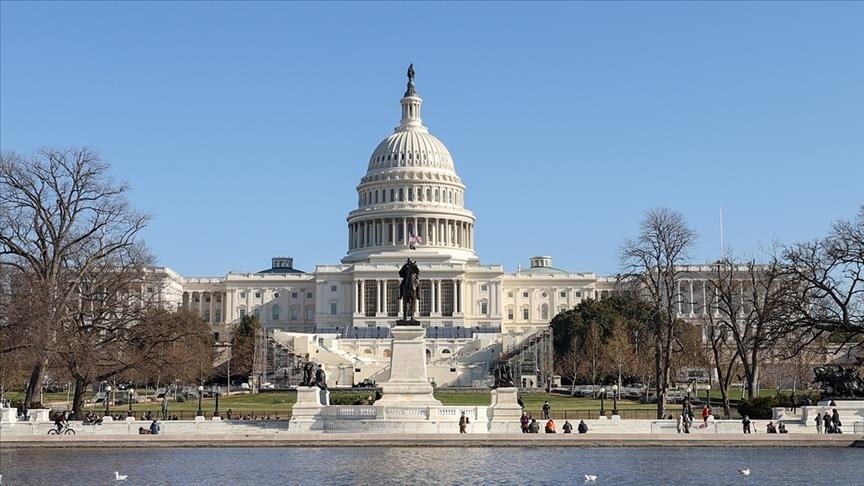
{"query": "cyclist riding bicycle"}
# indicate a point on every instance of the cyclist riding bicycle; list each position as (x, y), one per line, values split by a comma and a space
(60, 421)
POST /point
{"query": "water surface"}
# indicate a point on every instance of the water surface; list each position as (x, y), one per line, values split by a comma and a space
(434, 466)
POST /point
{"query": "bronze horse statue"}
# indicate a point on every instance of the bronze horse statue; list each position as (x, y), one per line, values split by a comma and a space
(840, 382)
(409, 289)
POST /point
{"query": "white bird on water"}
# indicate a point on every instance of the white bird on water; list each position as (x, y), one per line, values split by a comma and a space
(120, 477)
(590, 477)
(744, 472)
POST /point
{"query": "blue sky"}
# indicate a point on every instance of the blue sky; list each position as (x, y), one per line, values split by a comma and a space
(245, 128)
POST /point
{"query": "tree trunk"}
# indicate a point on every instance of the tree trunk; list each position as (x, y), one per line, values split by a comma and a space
(34, 386)
(661, 390)
(78, 398)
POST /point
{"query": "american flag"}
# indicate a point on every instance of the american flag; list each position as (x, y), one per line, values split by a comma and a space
(414, 241)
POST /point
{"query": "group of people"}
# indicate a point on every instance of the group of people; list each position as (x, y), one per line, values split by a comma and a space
(776, 429)
(685, 420)
(530, 425)
(829, 423)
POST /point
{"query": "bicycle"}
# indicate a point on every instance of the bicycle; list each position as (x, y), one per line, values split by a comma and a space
(66, 430)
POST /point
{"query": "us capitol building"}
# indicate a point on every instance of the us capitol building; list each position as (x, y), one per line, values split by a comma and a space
(410, 204)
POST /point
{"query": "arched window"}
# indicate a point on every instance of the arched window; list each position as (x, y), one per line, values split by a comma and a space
(428, 194)
(274, 311)
(392, 195)
(401, 194)
(544, 311)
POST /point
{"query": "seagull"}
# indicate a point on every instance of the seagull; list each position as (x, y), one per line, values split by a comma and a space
(744, 472)
(590, 477)
(120, 477)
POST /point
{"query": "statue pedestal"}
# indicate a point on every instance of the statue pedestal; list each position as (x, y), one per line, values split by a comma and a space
(505, 411)
(306, 413)
(408, 384)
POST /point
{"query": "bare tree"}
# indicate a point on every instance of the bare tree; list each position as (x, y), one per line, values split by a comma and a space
(653, 263)
(61, 215)
(751, 303)
(831, 274)
(724, 356)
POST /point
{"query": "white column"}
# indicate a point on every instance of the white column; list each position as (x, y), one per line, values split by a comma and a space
(362, 297)
(404, 230)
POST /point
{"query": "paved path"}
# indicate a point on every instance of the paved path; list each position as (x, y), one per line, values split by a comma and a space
(438, 440)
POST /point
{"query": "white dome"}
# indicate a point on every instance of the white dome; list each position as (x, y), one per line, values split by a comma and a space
(410, 201)
(411, 149)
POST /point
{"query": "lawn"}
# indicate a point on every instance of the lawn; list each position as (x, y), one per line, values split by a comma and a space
(280, 403)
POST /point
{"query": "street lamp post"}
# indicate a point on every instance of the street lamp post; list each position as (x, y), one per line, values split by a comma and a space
(602, 403)
(615, 399)
(216, 390)
(200, 396)
(131, 393)
(107, 396)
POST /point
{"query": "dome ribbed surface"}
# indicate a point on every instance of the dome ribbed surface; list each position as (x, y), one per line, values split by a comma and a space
(411, 148)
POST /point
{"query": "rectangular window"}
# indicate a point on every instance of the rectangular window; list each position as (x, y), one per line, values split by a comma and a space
(257, 295)
(308, 295)
(257, 312)
(242, 313)
(207, 315)
(484, 308)
(509, 294)
(483, 288)
(310, 313)
(293, 295)
(294, 315)
(578, 294)
(333, 308)
(242, 295)
(525, 295)
(207, 299)
(218, 315)
(524, 314)
(150, 289)
(332, 288)
(563, 295)
(510, 314)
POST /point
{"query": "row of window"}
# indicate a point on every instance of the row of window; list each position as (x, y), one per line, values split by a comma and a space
(257, 295)
(447, 196)
(562, 294)
(276, 313)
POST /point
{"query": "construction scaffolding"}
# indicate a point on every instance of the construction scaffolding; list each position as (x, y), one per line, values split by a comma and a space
(532, 360)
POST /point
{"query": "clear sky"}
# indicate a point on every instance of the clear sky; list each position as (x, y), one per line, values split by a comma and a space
(245, 128)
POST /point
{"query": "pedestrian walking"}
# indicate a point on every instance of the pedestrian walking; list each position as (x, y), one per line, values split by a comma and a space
(745, 422)
(818, 423)
(546, 409)
(463, 423)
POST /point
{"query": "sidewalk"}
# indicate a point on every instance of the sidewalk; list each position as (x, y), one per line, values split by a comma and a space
(282, 439)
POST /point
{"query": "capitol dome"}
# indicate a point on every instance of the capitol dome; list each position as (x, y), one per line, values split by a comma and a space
(411, 200)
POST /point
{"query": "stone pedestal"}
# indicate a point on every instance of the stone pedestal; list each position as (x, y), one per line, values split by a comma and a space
(505, 411)
(8, 415)
(306, 415)
(39, 415)
(408, 384)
